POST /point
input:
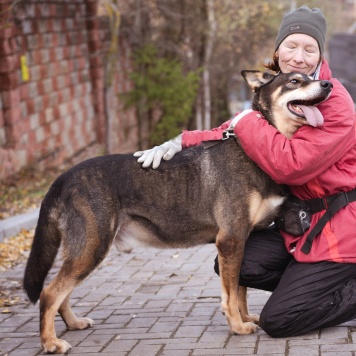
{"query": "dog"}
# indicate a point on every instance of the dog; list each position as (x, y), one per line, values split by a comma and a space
(209, 193)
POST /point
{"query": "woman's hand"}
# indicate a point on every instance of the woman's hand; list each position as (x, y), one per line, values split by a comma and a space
(154, 155)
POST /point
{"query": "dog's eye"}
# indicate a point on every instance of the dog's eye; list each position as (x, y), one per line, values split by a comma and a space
(294, 81)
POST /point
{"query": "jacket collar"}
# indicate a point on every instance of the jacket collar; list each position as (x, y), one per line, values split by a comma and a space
(324, 70)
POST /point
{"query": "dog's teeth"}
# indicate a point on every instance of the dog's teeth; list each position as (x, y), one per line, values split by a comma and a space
(297, 109)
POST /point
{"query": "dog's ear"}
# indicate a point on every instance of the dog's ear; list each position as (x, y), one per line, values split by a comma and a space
(255, 78)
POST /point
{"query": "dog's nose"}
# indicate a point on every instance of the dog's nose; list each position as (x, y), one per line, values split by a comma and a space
(326, 84)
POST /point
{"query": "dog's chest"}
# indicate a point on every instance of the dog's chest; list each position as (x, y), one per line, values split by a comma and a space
(264, 210)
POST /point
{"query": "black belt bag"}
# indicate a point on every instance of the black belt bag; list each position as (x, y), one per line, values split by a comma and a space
(294, 217)
(295, 214)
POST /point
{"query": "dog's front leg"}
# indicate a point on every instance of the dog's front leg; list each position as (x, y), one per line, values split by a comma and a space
(243, 306)
(230, 252)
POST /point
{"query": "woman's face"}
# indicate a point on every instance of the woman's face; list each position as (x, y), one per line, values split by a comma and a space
(298, 53)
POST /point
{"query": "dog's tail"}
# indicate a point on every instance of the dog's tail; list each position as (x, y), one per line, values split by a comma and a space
(44, 250)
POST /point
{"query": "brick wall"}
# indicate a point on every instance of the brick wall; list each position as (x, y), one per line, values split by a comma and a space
(54, 104)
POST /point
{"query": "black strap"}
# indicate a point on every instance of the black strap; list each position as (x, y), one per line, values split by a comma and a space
(337, 202)
(319, 204)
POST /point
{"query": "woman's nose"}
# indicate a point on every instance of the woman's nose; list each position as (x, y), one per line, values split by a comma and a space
(298, 55)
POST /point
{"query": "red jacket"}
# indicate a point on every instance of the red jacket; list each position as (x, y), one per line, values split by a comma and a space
(315, 162)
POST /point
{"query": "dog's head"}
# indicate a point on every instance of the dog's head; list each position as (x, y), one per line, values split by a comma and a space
(288, 100)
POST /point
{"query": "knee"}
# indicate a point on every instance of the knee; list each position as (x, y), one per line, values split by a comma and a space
(268, 324)
(276, 324)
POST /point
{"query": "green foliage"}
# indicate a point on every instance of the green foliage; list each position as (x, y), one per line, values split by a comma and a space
(163, 94)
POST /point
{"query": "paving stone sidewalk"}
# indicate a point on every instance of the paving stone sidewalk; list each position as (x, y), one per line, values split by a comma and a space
(157, 303)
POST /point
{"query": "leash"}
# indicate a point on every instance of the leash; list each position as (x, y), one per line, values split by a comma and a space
(225, 135)
(332, 204)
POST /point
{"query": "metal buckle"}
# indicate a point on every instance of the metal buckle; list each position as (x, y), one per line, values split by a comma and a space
(345, 196)
(227, 134)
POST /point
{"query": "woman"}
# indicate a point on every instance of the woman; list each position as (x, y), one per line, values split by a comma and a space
(316, 288)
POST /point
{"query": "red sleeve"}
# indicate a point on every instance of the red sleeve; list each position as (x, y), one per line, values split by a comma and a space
(310, 151)
(196, 137)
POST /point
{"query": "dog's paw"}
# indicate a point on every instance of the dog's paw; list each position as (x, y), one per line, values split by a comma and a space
(56, 346)
(244, 328)
(253, 318)
(80, 324)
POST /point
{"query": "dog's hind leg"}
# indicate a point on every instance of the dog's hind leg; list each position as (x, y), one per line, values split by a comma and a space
(70, 319)
(55, 297)
(77, 265)
(230, 252)
(51, 299)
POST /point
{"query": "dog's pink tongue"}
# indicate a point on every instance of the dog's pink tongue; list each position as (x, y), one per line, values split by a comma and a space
(312, 115)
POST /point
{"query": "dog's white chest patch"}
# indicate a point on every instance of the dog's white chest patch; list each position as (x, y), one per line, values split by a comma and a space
(275, 202)
(261, 208)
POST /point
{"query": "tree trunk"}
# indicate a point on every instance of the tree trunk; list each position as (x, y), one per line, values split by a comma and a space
(207, 59)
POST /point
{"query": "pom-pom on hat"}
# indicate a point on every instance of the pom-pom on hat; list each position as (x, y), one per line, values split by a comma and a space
(303, 20)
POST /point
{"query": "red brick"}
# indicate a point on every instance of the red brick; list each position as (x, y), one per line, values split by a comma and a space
(9, 63)
(24, 91)
(6, 47)
(43, 9)
(9, 81)
(34, 57)
(53, 10)
(7, 32)
(12, 115)
(11, 98)
(94, 45)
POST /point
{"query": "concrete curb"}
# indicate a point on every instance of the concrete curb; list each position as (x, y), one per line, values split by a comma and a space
(13, 225)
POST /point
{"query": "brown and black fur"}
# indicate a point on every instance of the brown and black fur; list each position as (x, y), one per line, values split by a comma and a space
(209, 193)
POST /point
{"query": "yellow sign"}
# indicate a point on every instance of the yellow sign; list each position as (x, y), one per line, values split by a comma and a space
(25, 73)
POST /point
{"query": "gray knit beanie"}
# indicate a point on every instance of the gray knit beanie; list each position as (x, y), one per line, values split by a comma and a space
(303, 20)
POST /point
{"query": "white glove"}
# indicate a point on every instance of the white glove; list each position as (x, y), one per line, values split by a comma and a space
(166, 151)
(238, 117)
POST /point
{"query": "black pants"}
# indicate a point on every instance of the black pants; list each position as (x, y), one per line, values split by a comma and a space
(306, 296)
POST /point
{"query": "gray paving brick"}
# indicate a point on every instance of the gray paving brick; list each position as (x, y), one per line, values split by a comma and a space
(338, 348)
(190, 331)
(77, 336)
(86, 350)
(120, 345)
(118, 319)
(140, 350)
(222, 352)
(95, 340)
(179, 341)
(272, 347)
(332, 353)
(192, 346)
(139, 322)
(217, 337)
(164, 326)
(25, 352)
(299, 350)
(175, 353)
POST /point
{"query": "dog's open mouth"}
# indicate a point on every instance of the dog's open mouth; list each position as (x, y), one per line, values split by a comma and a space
(308, 112)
